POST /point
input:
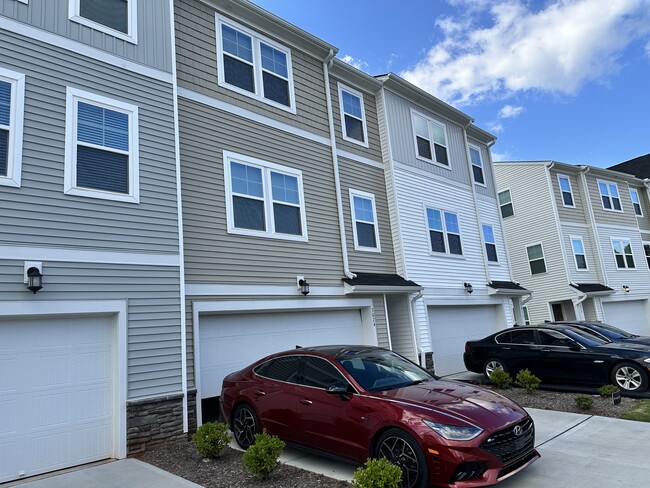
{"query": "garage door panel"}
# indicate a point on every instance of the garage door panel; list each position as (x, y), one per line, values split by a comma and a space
(628, 315)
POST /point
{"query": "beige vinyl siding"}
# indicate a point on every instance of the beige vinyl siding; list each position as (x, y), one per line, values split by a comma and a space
(591, 274)
(644, 221)
(625, 218)
(636, 278)
(212, 255)
(196, 57)
(580, 213)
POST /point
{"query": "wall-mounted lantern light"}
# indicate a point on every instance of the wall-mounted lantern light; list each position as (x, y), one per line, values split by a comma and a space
(303, 286)
(34, 278)
(626, 289)
(468, 287)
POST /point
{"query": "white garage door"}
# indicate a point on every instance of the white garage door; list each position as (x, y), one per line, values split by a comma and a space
(451, 327)
(630, 316)
(230, 342)
(56, 394)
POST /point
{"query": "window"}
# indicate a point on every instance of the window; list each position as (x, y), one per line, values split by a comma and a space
(579, 253)
(444, 232)
(114, 17)
(623, 253)
(634, 195)
(353, 116)
(12, 100)
(609, 196)
(554, 338)
(101, 148)
(285, 368)
(526, 316)
(364, 219)
(490, 243)
(565, 191)
(264, 199)
(536, 259)
(430, 140)
(477, 165)
(320, 373)
(646, 250)
(254, 66)
(517, 336)
(505, 203)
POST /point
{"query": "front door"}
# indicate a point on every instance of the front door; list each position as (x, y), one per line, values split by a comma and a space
(558, 312)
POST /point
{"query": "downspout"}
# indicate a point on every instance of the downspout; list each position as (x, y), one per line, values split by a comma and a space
(417, 350)
(335, 164)
(577, 302)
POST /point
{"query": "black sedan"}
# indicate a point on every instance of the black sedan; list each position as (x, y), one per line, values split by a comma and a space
(562, 354)
(606, 331)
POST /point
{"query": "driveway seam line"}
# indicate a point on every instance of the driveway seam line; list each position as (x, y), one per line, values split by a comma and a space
(564, 432)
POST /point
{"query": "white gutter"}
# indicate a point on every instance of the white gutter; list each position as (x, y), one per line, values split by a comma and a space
(335, 164)
(390, 342)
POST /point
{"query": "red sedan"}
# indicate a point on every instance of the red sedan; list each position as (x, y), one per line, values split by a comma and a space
(358, 402)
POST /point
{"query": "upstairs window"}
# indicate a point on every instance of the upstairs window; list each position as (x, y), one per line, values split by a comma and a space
(490, 243)
(646, 250)
(101, 148)
(505, 204)
(565, 191)
(444, 232)
(12, 99)
(536, 259)
(634, 195)
(477, 165)
(254, 66)
(353, 116)
(430, 140)
(264, 199)
(579, 254)
(609, 196)
(114, 17)
(623, 253)
(364, 218)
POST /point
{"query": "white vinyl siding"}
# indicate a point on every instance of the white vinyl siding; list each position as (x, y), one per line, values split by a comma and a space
(364, 221)
(565, 191)
(12, 99)
(115, 17)
(477, 165)
(609, 196)
(353, 116)
(579, 254)
(430, 140)
(623, 254)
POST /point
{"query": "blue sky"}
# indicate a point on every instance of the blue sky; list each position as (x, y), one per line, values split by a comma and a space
(567, 80)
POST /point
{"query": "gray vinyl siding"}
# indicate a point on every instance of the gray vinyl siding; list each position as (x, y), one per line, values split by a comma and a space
(625, 218)
(154, 32)
(80, 222)
(211, 253)
(579, 214)
(398, 112)
(399, 317)
(153, 312)
(196, 55)
(359, 176)
(488, 189)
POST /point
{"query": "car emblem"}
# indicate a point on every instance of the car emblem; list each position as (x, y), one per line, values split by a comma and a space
(517, 430)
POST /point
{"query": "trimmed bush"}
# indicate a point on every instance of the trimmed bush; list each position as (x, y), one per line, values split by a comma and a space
(527, 380)
(377, 473)
(211, 438)
(584, 402)
(607, 390)
(262, 457)
(501, 379)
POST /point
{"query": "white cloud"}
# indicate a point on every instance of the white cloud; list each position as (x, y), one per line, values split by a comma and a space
(495, 127)
(510, 111)
(357, 63)
(497, 156)
(556, 49)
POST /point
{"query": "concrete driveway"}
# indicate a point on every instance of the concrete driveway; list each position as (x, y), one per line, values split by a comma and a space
(577, 451)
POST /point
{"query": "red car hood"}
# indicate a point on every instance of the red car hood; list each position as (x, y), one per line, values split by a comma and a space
(474, 404)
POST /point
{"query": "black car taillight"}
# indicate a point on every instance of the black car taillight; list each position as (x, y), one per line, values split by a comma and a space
(469, 470)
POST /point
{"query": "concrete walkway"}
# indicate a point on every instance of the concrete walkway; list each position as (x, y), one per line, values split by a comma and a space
(578, 451)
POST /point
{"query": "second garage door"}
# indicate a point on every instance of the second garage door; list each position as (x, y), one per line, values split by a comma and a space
(451, 327)
(230, 342)
(629, 315)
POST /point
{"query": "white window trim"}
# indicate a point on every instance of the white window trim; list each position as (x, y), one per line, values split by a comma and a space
(256, 39)
(543, 257)
(600, 195)
(74, 96)
(16, 127)
(512, 203)
(485, 243)
(132, 28)
(638, 198)
(480, 155)
(433, 149)
(622, 239)
(526, 314)
(266, 168)
(559, 184)
(341, 89)
(371, 197)
(573, 251)
(444, 233)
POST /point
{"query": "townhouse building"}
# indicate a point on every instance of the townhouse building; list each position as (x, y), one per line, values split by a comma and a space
(578, 236)
(447, 231)
(91, 344)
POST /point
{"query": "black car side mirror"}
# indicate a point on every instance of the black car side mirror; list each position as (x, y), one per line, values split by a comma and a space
(575, 347)
(341, 389)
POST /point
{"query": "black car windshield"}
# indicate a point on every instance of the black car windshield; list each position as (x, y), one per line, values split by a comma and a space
(585, 338)
(611, 332)
(377, 369)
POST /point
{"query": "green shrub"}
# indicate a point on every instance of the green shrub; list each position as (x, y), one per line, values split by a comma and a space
(377, 473)
(584, 402)
(211, 438)
(527, 380)
(501, 379)
(261, 458)
(607, 390)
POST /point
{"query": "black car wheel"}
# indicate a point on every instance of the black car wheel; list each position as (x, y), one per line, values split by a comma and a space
(245, 425)
(492, 365)
(401, 449)
(629, 377)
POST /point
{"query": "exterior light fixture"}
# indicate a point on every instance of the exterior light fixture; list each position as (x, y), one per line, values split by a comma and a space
(34, 279)
(626, 289)
(303, 286)
(468, 287)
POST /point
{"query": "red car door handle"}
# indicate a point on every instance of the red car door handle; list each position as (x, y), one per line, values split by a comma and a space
(306, 402)
(260, 393)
